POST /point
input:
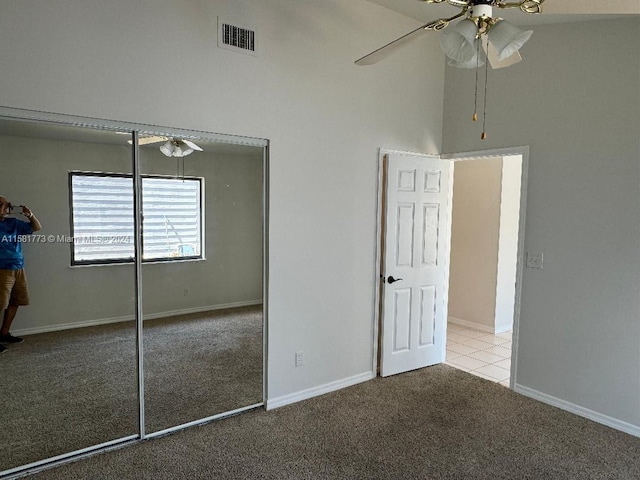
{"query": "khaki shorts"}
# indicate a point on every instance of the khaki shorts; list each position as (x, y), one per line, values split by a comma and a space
(13, 288)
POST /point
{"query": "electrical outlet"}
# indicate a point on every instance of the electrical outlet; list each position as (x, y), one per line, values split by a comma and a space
(299, 359)
(534, 260)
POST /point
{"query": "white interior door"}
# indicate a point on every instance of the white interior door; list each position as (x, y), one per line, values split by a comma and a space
(415, 268)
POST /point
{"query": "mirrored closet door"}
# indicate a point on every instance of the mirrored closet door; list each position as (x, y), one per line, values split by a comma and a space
(72, 382)
(202, 270)
(133, 327)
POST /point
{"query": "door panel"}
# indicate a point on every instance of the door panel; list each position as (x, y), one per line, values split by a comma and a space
(72, 383)
(404, 239)
(202, 282)
(427, 315)
(402, 320)
(431, 217)
(416, 248)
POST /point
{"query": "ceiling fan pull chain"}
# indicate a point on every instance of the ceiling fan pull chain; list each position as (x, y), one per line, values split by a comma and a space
(475, 104)
(484, 109)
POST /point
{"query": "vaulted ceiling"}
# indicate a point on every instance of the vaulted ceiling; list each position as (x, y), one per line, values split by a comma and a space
(554, 11)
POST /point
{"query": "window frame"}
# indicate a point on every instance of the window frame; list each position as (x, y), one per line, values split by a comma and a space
(130, 260)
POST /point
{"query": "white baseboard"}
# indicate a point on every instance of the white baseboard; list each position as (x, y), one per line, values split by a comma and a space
(468, 324)
(319, 390)
(129, 318)
(578, 410)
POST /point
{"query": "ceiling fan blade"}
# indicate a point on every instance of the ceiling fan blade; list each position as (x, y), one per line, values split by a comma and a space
(149, 140)
(192, 145)
(389, 48)
(383, 52)
(492, 56)
(455, 3)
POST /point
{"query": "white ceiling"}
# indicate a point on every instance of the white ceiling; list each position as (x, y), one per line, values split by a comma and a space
(554, 11)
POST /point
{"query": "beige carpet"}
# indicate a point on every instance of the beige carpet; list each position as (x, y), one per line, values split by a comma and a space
(68, 390)
(434, 423)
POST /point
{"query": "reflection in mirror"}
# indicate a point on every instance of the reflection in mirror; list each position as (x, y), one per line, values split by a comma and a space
(202, 206)
(72, 383)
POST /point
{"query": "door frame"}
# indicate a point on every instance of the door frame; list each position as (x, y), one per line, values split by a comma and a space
(523, 151)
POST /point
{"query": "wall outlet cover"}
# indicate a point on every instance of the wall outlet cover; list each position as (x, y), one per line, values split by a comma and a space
(534, 260)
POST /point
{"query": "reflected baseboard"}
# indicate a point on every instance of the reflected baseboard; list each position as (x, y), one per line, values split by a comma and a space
(129, 318)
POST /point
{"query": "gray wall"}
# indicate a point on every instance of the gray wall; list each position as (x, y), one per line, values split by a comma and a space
(325, 118)
(574, 99)
(35, 172)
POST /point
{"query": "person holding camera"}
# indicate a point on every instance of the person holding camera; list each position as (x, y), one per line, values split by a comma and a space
(13, 282)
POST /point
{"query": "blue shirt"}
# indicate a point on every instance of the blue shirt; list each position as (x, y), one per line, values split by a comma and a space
(11, 229)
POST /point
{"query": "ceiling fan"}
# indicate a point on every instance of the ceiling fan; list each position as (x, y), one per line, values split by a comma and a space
(173, 146)
(500, 40)
(478, 35)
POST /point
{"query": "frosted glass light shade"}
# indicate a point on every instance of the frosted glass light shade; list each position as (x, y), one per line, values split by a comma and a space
(168, 149)
(186, 151)
(473, 63)
(507, 39)
(459, 42)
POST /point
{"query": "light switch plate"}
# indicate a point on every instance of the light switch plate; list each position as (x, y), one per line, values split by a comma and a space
(534, 260)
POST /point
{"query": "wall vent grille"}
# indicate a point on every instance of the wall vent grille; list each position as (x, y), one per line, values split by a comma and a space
(235, 37)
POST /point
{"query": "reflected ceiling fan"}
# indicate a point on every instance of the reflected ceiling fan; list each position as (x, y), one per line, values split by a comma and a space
(173, 146)
(499, 39)
(477, 36)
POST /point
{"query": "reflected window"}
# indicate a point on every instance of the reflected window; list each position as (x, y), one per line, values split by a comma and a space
(102, 229)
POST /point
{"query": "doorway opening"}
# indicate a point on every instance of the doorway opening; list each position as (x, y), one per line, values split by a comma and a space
(484, 262)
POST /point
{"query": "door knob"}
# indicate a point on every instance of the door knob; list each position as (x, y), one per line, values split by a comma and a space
(393, 280)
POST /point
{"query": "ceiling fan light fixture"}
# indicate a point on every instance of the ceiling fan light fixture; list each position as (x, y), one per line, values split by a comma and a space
(168, 148)
(179, 148)
(459, 42)
(507, 39)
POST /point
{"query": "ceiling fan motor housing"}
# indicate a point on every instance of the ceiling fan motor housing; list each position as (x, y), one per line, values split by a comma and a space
(481, 8)
(480, 11)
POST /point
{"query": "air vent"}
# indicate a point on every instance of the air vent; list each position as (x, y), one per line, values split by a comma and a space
(235, 37)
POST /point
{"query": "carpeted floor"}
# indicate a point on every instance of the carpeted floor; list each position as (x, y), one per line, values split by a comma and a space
(197, 367)
(68, 390)
(433, 423)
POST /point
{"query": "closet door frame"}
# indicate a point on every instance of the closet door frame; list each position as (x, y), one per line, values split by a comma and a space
(10, 113)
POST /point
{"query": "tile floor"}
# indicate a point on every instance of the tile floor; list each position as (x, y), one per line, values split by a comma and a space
(479, 353)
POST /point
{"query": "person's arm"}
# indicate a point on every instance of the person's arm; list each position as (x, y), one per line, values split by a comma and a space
(35, 223)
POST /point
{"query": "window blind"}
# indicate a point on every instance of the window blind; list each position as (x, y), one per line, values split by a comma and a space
(102, 218)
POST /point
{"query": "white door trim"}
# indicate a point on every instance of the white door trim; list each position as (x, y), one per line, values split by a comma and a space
(502, 152)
